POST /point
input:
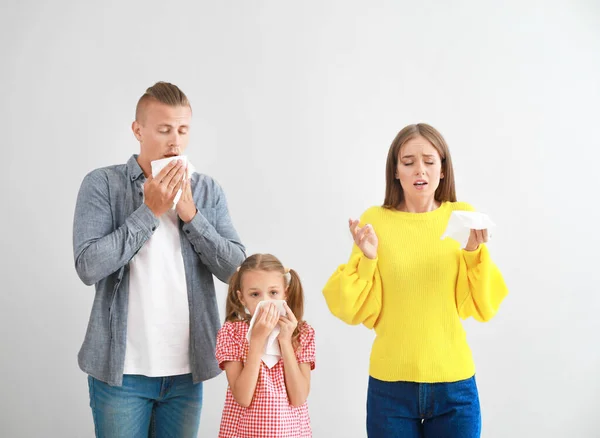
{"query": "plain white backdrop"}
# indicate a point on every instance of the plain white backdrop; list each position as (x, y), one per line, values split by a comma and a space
(295, 105)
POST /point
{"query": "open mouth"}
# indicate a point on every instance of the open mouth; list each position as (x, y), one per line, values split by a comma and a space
(172, 154)
(420, 184)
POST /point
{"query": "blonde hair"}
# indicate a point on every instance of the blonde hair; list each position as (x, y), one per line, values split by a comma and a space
(163, 92)
(234, 309)
(446, 191)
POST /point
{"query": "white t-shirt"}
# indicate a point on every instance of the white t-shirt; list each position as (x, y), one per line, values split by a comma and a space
(158, 320)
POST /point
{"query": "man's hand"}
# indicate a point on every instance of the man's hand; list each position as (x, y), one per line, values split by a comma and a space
(186, 208)
(159, 192)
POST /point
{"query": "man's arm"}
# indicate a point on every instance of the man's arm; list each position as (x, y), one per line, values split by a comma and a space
(218, 247)
(99, 249)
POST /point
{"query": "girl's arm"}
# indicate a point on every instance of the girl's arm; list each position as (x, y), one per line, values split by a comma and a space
(297, 375)
(243, 378)
(296, 369)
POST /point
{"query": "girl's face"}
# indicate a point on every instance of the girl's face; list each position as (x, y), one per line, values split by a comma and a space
(260, 286)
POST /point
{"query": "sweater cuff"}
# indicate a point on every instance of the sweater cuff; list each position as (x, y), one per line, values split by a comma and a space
(366, 268)
(473, 258)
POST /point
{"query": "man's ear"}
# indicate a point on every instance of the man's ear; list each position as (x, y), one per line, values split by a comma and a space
(137, 130)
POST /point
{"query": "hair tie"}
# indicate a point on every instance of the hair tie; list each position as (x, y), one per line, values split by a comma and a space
(287, 275)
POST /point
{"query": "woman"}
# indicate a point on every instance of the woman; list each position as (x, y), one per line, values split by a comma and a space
(413, 288)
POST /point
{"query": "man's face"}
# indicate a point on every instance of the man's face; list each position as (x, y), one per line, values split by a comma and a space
(163, 130)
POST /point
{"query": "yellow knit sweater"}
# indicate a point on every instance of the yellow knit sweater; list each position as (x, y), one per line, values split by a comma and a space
(414, 295)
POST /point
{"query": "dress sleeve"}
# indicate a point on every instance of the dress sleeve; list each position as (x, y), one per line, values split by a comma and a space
(306, 350)
(229, 344)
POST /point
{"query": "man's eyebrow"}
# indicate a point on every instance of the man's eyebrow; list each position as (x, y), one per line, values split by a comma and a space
(168, 125)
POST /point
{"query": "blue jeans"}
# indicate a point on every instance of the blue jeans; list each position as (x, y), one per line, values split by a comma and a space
(423, 410)
(146, 407)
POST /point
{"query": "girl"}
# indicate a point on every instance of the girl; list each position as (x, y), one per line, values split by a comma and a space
(263, 401)
(413, 288)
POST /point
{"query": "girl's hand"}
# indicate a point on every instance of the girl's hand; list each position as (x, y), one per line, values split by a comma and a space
(265, 323)
(287, 325)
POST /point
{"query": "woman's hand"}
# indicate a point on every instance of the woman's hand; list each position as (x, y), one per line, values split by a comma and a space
(365, 238)
(476, 238)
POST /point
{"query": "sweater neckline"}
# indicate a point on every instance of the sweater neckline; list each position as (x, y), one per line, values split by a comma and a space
(433, 214)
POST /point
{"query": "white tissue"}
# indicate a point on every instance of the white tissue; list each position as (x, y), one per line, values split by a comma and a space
(271, 353)
(158, 165)
(461, 222)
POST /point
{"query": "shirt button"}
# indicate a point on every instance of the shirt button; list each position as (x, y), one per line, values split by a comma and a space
(141, 193)
(153, 228)
(187, 231)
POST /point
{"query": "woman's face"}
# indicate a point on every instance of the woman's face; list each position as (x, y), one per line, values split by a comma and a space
(419, 169)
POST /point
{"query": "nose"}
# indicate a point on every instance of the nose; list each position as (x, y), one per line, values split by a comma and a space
(175, 139)
(420, 169)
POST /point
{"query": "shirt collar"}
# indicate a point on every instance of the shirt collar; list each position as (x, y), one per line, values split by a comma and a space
(133, 168)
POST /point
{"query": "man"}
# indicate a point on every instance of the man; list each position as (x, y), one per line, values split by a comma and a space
(151, 337)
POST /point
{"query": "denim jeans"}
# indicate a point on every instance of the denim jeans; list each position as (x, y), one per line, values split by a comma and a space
(146, 407)
(423, 410)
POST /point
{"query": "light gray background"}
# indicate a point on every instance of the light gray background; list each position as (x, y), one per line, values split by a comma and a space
(295, 106)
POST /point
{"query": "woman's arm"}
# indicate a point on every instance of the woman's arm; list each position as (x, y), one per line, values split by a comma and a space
(354, 291)
(480, 287)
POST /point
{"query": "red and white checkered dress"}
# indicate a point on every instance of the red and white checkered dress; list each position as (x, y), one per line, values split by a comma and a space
(270, 414)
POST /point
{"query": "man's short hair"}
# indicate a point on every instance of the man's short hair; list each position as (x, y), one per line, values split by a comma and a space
(163, 92)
